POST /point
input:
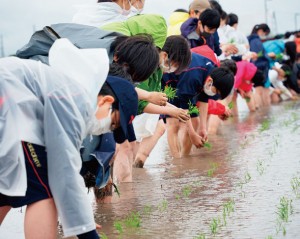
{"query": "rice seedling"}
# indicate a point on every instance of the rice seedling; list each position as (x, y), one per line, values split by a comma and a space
(265, 125)
(192, 109)
(214, 225)
(213, 168)
(177, 196)
(279, 57)
(284, 210)
(269, 237)
(247, 99)
(148, 209)
(186, 191)
(133, 220)
(207, 145)
(197, 184)
(163, 205)
(260, 54)
(230, 105)
(260, 167)
(228, 208)
(170, 92)
(231, 41)
(118, 226)
(200, 236)
(295, 183)
(103, 235)
(247, 177)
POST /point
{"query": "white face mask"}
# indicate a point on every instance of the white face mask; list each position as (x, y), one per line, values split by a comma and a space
(124, 11)
(101, 126)
(136, 11)
(166, 69)
(208, 91)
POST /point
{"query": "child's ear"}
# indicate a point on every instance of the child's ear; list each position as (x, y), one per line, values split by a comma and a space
(105, 99)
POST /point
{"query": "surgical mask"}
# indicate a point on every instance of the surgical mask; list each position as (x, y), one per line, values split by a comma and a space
(136, 11)
(166, 69)
(100, 126)
(208, 90)
(124, 11)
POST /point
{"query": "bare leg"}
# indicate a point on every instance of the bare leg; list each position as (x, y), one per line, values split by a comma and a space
(258, 96)
(251, 103)
(186, 143)
(3, 212)
(147, 145)
(41, 220)
(172, 129)
(123, 163)
(266, 97)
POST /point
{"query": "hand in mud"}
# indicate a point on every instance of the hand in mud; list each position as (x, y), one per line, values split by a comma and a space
(158, 98)
(180, 114)
(226, 114)
(203, 134)
(197, 140)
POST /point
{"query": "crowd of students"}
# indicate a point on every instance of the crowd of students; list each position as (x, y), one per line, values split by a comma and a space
(73, 115)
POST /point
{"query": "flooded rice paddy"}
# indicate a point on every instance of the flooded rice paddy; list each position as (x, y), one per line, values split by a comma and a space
(246, 186)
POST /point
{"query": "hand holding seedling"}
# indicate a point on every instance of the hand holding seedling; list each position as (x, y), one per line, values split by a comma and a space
(158, 98)
(179, 114)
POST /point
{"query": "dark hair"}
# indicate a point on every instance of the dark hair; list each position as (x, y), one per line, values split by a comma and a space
(224, 16)
(215, 5)
(291, 50)
(263, 27)
(287, 70)
(232, 19)
(139, 54)
(106, 90)
(223, 80)
(259, 78)
(178, 51)
(229, 64)
(210, 18)
(105, 1)
(119, 70)
(181, 10)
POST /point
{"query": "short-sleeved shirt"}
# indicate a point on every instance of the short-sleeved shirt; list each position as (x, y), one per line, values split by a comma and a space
(189, 84)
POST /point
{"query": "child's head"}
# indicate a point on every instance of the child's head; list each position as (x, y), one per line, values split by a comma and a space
(209, 22)
(219, 82)
(262, 30)
(175, 55)
(232, 20)
(284, 72)
(230, 64)
(117, 107)
(139, 54)
(120, 71)
(197, 7)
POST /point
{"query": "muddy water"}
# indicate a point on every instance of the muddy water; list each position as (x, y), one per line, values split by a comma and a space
(251, 164)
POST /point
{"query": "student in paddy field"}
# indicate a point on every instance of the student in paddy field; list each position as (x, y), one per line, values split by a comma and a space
(200, 82)
(171, 59)
(247, 78)
(45, 114)
(179, 16)
(261, 61)
(278, 74)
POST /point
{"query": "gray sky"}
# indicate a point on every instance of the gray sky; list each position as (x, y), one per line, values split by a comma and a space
(20, 18)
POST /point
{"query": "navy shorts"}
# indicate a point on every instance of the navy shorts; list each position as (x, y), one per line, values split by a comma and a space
(37, 178)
